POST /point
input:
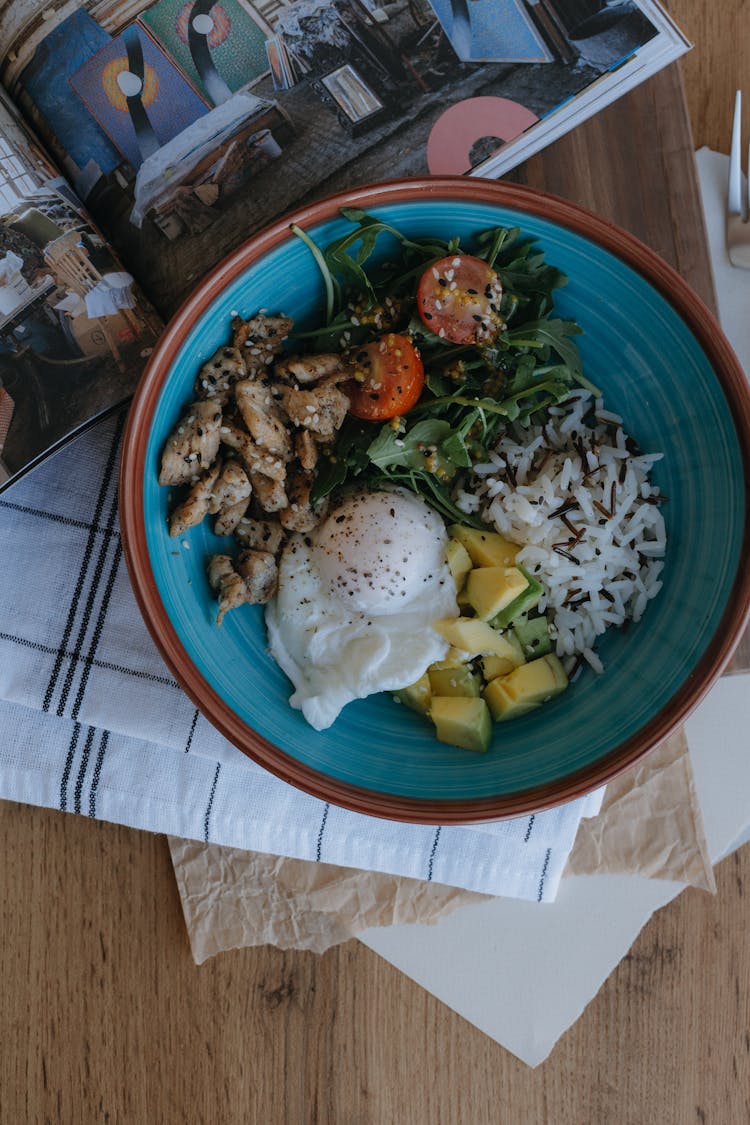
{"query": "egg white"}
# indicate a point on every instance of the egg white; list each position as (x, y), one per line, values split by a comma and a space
(334, 653)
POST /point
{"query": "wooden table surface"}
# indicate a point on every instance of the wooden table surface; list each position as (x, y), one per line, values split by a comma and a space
(104, 1016)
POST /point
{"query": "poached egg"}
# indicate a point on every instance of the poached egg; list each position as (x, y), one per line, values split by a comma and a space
(356, 602)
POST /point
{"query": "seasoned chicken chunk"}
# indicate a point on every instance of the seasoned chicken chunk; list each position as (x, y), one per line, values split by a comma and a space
(306, 449)
(256, 459)
(270, 331)
(260, 574)
(320, 409)
(300, 516)
(229, 586)
(261, 535)
(196, 504)
(259, 340)
(261, 416)
(231, 496)
(308, 369)
(193, 444)
(270, 494)
(219, 373)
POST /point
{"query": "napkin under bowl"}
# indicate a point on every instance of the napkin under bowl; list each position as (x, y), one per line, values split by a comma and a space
(663, 364)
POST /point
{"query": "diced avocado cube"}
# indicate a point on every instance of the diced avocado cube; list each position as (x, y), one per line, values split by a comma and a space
(486, 548)
(532, 633)
(459, 562)
(474, 636)
(454, 681)
(529, 684)
(494, 666)
(461, 721)
(525, 601)
(454, 658)
(502, 706)
(491, 588)
(416, 696)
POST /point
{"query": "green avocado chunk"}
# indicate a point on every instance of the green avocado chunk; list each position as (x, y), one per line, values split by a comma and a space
(416, 696)
(525, 601)
(454, 681)
(532, 633)
(461, 721)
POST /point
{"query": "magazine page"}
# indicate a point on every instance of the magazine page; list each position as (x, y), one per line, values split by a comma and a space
(186, 125)
(74, 332)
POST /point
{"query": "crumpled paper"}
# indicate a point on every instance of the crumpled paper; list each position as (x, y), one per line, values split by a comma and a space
(650, 824)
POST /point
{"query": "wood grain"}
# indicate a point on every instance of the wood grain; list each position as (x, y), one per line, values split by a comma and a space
(104, 1017)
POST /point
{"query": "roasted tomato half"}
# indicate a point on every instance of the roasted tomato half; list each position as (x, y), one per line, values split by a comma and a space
(459, 300)
(388, 378)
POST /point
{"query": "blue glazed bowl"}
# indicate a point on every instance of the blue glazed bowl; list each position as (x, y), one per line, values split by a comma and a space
(663, 364)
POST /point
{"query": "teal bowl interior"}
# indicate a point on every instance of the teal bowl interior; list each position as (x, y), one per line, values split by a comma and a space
(653, 372)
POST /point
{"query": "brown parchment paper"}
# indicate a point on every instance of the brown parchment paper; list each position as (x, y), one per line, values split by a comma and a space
(650, 824)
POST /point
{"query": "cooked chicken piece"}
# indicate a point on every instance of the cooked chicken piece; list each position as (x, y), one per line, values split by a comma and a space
(256, 460)
(260, 574)
(231, 496)
(300, 516)
(229, 586)
(219, 373)
(308, 369)
(320, 409)
(260, 535)
(270, 494)
(228, 518)
(259, 340)
(271, 331)
(261, 416)
(196, 504)
(193, 444)
(306, 449)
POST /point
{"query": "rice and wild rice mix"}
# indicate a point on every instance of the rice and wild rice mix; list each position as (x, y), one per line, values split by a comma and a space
(576, 492)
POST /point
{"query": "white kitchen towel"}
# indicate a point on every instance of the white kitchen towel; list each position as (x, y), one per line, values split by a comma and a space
(93, 722)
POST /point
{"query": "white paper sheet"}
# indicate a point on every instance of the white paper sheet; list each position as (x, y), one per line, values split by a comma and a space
(514, 955)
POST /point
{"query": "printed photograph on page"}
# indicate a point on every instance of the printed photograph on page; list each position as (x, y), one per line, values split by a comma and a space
(73, 333)
(185, 125)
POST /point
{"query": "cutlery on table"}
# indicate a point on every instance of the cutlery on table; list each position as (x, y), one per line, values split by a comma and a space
(738, 226)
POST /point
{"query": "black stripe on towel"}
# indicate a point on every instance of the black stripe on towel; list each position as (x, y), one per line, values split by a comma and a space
(88, 658)
(528, 830)
(97, 772)
(55, 517)
(432, 854)
(207, 817)
(544, 875)
(319, 848)
(193, 725)
(106, 665)
(82, 769)
(68, 766)
(85, 563)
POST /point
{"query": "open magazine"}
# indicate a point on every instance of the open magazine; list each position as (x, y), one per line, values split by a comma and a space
(142, 141)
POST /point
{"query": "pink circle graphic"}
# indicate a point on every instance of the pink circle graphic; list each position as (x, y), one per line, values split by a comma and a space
(456, 130)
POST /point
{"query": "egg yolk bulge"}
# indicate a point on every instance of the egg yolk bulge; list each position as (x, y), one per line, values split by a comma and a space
(356, 602)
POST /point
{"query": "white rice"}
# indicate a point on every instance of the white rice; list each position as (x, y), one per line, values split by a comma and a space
(597, 569)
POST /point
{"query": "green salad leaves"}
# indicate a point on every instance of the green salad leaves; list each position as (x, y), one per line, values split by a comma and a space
(471, 391)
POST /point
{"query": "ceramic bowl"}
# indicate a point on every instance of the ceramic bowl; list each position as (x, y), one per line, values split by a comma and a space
(663, 364)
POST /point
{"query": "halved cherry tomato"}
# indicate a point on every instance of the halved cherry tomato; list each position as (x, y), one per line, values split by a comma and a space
(459, 299)
(388, 378)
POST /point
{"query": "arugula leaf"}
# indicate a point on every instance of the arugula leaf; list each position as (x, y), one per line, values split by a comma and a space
(412, 449)
(552, 334)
